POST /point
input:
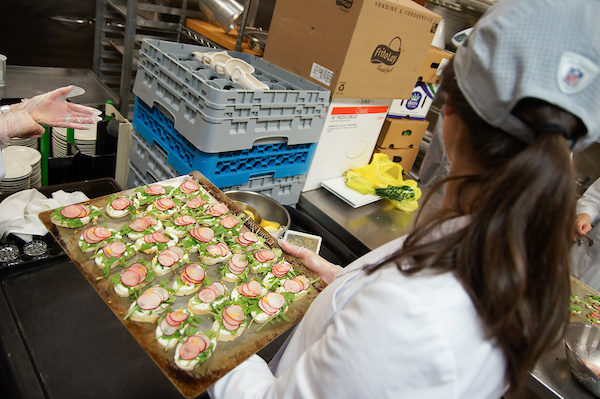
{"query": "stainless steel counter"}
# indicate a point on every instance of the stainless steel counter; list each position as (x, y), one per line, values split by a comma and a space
(551, 378)
(370, 226)
(366, 227)
(29, 81)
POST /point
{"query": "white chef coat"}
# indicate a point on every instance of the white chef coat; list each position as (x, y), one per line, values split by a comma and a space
(2, 168)
(585, 260)
(383, 335)
(590, 202)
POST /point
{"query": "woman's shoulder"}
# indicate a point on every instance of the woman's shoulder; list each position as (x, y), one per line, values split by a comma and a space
(425, 291)
(425, 320)
(374, 256)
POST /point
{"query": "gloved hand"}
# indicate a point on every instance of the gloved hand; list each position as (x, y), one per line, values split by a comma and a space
(18, 124)
(52, 109)
(324, 269)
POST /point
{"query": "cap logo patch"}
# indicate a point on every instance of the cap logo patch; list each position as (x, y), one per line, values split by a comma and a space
(575, 72)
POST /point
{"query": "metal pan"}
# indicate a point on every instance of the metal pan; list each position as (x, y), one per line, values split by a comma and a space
(228, 354)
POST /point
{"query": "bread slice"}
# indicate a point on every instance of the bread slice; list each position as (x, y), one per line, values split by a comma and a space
(224, 335)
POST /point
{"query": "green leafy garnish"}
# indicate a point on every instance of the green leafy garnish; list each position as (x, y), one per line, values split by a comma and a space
(593, 298)
(398, 193)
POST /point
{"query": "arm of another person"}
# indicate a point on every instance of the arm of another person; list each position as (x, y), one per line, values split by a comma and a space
(53, 109)
(18, 124)
(588, 209)
(25, 119)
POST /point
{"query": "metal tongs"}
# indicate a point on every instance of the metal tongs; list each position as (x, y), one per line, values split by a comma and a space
(579, 240)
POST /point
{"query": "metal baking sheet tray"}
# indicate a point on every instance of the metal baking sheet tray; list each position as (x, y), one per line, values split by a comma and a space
(58, 339)
(227, 355)
(580, 290)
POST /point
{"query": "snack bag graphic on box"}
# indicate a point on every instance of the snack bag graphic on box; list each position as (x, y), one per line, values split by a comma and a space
(383, 177)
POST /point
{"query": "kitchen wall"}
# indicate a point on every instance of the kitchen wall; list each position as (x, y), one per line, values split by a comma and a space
(57, 33)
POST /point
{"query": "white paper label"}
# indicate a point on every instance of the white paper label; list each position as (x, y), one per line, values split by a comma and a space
(440, 68)
(321, 74)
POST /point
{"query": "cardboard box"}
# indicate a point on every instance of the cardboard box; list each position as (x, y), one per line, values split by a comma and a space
(402, 133)
(404, 156)
(348, 138)
(417, 105)
(434, 64)
(355, 48)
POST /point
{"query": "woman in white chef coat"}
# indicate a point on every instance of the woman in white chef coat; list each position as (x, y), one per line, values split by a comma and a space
(465, 305)
(24, 119)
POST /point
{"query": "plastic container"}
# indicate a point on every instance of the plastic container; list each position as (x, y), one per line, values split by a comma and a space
(216, 114)
(147, 164)
(223, 169)
(286, 190)
(137, 177)
(134, 177)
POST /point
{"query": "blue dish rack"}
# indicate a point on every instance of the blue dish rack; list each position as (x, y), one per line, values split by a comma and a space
(149, 165)
(223, 169)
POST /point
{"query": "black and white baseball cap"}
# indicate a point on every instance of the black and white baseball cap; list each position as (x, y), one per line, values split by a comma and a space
(543, 49)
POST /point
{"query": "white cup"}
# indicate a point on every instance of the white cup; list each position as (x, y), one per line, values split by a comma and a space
(200, 56)
(207, 57)
(218, 60)
(231, 64)
(247, 80)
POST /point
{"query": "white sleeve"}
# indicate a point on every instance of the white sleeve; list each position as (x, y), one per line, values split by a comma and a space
(2, 167)
(379, 345)
(590, 202)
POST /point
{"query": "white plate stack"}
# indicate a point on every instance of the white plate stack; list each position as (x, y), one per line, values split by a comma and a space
(17, 178)
(32, 143)
(85, 140)
(25, 156)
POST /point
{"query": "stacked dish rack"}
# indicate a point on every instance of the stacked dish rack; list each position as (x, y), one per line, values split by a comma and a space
(188, 117)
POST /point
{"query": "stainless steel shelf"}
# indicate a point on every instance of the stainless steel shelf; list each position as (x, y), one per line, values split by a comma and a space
(121, 25)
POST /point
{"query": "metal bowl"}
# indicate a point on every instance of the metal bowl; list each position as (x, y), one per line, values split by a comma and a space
(257, 38)
(245, 207)
(267, 208)
(582, 341)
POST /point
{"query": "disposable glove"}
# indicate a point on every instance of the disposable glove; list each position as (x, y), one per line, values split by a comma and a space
(52, 109)
(18, 124)
(324, 269)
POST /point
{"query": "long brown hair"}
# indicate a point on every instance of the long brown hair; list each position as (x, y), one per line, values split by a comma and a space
(512, 257)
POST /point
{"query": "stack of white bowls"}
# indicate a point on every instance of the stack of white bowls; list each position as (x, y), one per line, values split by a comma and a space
(85, 140)
(19, 159)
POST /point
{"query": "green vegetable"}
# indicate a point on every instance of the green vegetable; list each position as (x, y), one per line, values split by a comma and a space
(593, 298)
(592, 319)
(398, 193)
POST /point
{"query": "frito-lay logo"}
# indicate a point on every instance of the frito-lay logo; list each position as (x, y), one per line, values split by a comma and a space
(387, 55)
(345, 4)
